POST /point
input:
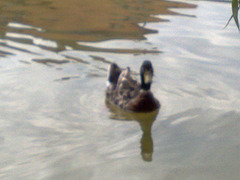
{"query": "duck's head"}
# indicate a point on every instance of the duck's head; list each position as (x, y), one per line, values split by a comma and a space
(146, 73)
(113, 73)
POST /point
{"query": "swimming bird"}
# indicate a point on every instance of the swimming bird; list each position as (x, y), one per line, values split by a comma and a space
(128, 94)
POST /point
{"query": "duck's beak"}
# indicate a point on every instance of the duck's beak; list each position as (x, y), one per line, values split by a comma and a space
(147, 77)
(108, 72)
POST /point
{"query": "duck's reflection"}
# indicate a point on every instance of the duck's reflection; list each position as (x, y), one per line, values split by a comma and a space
(145, 120)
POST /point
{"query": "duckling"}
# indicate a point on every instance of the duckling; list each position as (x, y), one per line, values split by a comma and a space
(130, 95)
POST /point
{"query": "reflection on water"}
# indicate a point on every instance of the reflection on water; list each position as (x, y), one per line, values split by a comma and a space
(145, 121)
(85, 20)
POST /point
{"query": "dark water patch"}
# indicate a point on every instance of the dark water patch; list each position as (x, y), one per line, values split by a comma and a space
(119, 51)
(24, 62)
(50, 61)
(67, 78)
(102, 59)
(29, 39)
(23, 40)
(71, 58)
(23, 49)
(5, 53)
(214, 93)
(190, 92)
(94, 75)
(100, 68)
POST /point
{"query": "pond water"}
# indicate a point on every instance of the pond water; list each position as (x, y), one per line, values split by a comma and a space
(54, 123)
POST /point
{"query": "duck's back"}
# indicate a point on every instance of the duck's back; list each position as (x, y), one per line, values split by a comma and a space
(125, 90)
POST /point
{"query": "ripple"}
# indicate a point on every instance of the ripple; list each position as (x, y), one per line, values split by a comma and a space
(35, 40)
(23, 26)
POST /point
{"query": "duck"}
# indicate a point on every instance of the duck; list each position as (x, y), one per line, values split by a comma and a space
(127, 93)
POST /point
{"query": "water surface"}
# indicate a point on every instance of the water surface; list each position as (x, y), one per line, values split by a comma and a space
(53, 62)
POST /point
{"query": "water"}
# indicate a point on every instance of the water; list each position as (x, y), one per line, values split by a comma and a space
(54, 121)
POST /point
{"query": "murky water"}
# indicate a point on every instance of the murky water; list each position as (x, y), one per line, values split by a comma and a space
(54, 121)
